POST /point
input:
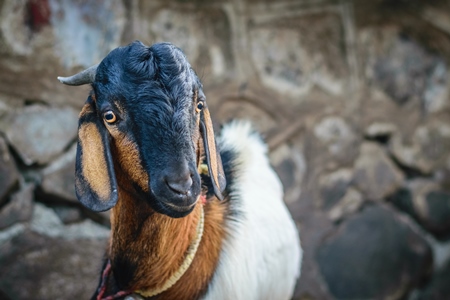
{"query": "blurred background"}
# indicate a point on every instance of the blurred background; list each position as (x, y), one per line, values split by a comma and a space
(351, 96)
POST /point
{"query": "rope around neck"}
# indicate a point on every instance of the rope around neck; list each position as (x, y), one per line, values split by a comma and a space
(192, 250)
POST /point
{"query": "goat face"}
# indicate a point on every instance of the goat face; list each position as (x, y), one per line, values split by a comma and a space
(145, 121)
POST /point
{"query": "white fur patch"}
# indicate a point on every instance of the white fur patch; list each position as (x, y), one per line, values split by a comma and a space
(261, 258)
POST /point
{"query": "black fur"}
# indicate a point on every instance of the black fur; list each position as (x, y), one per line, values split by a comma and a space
(154, 87)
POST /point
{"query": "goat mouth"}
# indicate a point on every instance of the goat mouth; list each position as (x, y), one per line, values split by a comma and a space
(175, 205)
(180, 208)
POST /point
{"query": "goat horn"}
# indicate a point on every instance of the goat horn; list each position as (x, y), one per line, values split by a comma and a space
(84, 77)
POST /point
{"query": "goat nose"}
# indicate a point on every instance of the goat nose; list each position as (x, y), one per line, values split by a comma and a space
(181, 184)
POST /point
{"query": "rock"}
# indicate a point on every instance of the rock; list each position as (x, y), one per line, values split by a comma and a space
(442, 175)
(13, 28)
(403, 200)
(290, 165)
(11, 232)
(314, 227)
(46, 222)
(68, 214)
(19, 208)
(33, 266)
(177, 27)
(380, 130)
(375, 175)
(58, 179)
(208, 48)
(437, 219)
(374, 255)
(102, 218)
(436, 95)
(338, 137)
(39, 133)
(426, 202)
(290, 59)
(428, 149)
(85, 32)
(333, 187)
(349, 204)
(9, 174)
(438, 288)
(260, 118)
(403, 72)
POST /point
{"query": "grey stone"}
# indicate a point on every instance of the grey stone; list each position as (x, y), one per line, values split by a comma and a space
(403, 72)
(262, 121)
(33, 266)
(6, 105)
(438, 218)
(68, 214)
(9, 174)
(19, 208)
(314, 227)
(374, 255)
(442, 176)
(31, 53)
(380, 129)
(102, 218)
(290, 59)
(351, 202)
(436, 95)
(10, 232)
(86, 32)
(46, 222)
(39, 133)
(58, 179)
(403, 200)
(427, 150)
(338, 138)
(177, 26)
(438, 288)
(428, 203)
(208, 48)
(375, 174)
(290, 165)
(13, 29)
(333, 187)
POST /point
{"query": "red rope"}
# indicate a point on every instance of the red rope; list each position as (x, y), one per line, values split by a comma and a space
(102, 290)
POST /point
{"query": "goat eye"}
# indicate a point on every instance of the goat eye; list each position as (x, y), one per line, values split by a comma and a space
(200, 106)
(109, 117)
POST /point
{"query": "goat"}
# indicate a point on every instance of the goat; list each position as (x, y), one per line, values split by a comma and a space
(188, 221)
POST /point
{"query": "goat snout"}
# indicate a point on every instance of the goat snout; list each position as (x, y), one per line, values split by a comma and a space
(176, 189)
(181, 183)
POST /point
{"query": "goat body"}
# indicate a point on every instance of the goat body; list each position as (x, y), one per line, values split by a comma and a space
(177, 233)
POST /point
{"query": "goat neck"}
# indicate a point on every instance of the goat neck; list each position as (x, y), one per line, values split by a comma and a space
(141, 266)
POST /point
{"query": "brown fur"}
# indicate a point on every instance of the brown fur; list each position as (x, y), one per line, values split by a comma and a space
(195, 281)
(94, 167)
(87, 108)
(128, 157)
(157, 245)
(212, 146)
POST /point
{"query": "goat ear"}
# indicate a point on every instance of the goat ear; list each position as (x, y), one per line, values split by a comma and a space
(213, 159)
(95, 180)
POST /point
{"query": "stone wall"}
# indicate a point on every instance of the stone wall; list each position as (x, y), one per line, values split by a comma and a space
(351, 96)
